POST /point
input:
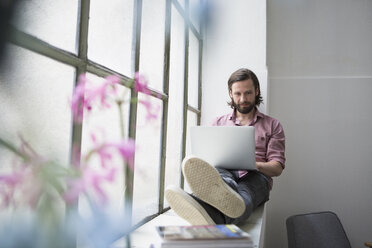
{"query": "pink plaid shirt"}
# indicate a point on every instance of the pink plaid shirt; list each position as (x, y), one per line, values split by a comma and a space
(269, 136)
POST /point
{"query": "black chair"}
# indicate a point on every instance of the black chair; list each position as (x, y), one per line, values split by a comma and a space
(316, 230)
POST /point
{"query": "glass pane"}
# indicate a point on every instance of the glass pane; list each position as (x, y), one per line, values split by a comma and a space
(104, 125)
(195, 13)
(175, 109)
(181, 2)
(152, 42)
(146, 173)
(191, 121)
(177, 50)
(193, 70)
(110, 34)
(52, 21)
(34, 102)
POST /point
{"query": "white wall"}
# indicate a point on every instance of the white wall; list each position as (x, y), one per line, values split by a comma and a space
(320, 81)
(237, 39)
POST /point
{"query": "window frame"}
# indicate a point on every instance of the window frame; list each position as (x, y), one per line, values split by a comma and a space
(83, 64)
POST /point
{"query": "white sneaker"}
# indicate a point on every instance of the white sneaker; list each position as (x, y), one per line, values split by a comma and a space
(187, 207)
(207, 184)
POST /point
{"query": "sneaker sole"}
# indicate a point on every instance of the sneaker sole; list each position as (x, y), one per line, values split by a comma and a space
(207, 184)
(187, 207)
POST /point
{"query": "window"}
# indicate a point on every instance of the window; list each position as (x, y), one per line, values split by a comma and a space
(53, 42)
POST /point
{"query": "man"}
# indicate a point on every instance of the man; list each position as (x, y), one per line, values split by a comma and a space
(223, 196)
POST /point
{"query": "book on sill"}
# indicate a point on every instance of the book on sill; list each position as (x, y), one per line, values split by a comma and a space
(218, 236)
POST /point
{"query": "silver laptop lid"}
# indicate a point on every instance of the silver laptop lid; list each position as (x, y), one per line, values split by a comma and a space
(229, 147)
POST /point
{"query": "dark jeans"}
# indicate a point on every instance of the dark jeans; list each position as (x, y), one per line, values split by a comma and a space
(253, 187)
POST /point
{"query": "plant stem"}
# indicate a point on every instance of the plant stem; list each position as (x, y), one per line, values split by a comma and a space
(127, 171)
(121, 119)
(10, 147)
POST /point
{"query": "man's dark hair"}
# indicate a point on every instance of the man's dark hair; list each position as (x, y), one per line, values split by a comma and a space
(241, 75)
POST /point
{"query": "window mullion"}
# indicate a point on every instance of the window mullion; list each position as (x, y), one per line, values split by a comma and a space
(200, 67)
(36, 45)
(82, 38)
(129, 175)
(164, 126)
(185, 16)
(185, 88)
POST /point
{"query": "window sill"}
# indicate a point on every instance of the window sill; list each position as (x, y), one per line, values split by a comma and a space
(146, 235)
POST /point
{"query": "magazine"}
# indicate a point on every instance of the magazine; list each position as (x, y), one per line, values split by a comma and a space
(218, 236)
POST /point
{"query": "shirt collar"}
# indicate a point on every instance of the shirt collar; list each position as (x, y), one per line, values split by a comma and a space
(257, 115)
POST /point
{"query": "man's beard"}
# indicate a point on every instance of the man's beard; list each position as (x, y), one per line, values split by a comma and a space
(243, 110)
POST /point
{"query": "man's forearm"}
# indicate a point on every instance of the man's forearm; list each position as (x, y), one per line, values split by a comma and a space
(271, 168)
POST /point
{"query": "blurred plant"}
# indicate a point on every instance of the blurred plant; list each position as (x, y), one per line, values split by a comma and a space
(34, 185)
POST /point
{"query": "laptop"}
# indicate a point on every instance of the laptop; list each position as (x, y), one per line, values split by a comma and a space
(228, 147)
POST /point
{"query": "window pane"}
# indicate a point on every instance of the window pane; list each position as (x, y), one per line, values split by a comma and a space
(52, 21)
(181, 2)
(177, 50)
(193, 70)
(104, 124)
(195, 13)
(110, 34)
(146, 173)
(152, 42)
(34, 102)
(191, 122)
(175, 110)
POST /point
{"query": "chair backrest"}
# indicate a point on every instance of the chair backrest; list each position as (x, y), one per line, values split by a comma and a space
(316, 230)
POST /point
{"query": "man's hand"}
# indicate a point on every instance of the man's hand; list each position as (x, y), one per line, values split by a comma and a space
(272, 168)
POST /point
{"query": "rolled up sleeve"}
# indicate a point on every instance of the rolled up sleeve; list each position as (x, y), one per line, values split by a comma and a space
(276, 144)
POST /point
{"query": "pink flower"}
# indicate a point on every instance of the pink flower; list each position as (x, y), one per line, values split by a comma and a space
(76, 155)
(105, 150)
(9, 183)
(104, 154)
(113, 79)
(90, 180)
(11, 179)
(6, 197)
(140, 84)
(95, 179)
(107, 88)
(85, 94)
(77, 101)
(21, 186)
(101, 92)
(127, 149)
(152, 112)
